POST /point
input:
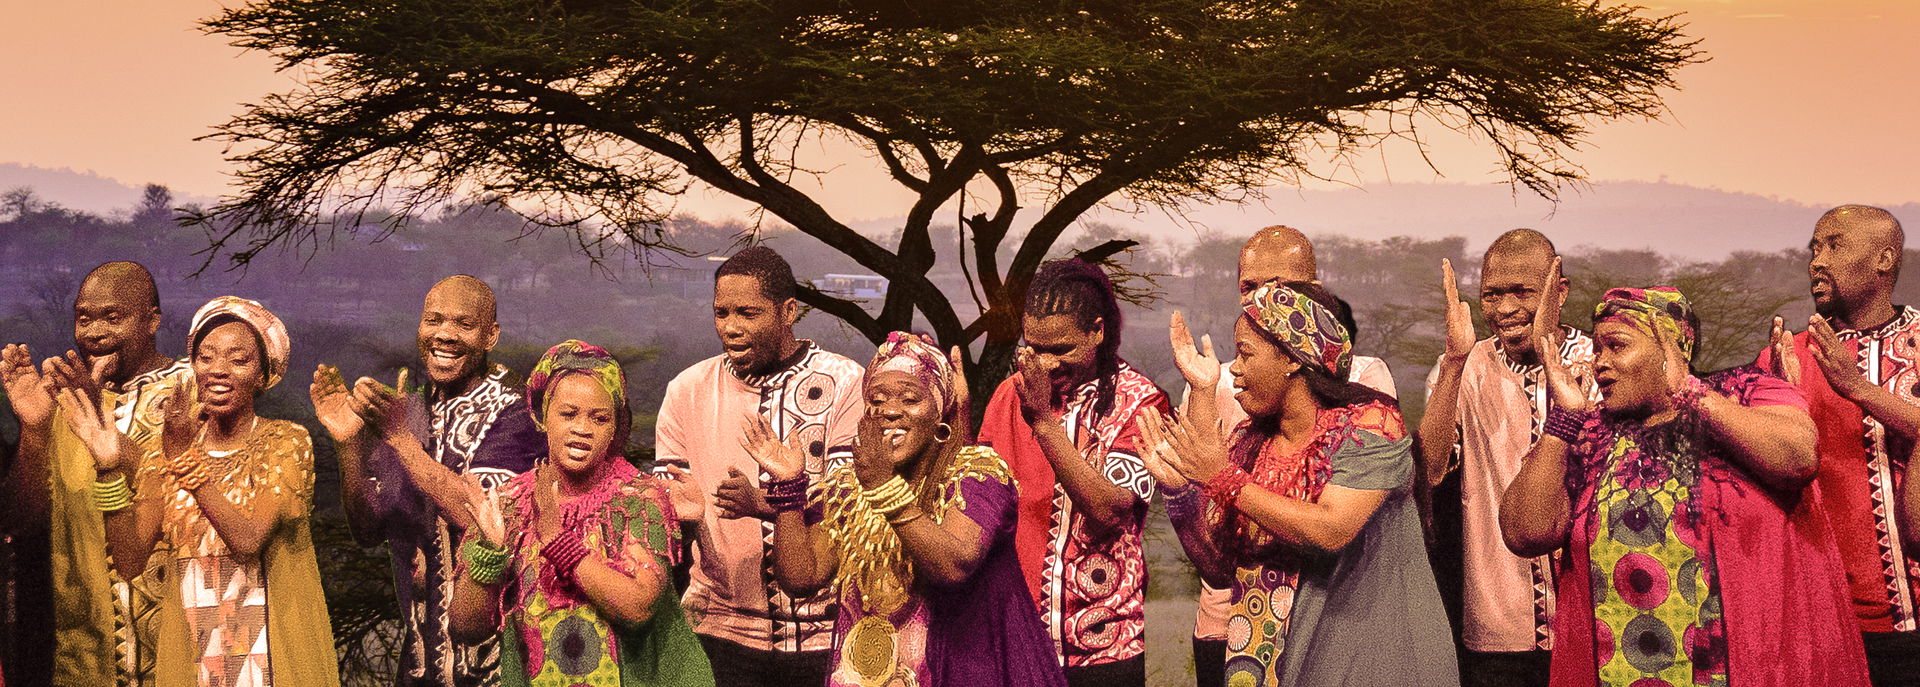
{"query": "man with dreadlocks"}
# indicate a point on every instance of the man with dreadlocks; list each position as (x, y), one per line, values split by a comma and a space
(1065, 423)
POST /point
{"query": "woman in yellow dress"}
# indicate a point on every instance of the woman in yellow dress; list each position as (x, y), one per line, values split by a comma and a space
(224, 498)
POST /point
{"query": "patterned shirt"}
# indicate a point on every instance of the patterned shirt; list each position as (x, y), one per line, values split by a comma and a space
(1508, 602)
(1089, 581)
(1861, 468)
(487, 432)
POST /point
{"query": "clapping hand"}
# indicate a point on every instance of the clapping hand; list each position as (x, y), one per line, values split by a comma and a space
(1836, 362)
(1036, 385)
(1786, 363)
(111, 450)
(1460, 336)
(485, 512)
(333, 404)
(1199, 366)
(29, 391)
(1179, 447)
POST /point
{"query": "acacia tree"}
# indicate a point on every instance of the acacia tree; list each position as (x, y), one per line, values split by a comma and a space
(596, 115)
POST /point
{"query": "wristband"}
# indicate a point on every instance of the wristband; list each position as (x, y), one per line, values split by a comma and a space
(888, 498)
(564, 554)
(1562, 424)
(1687, 398)
(1225, 487)
(787, 494)
(112, 496)
(486, 563)
(1183, 502)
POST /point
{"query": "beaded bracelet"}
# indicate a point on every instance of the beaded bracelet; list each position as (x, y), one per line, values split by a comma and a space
(787, 494)
(1562, 424)
(888, 498)
(486, 563)
(1183, 502)
(112, 496)
(564, 554)
(1225, 487)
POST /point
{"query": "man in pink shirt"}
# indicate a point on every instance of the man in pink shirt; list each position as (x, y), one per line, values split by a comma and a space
(754, 633)
(1486, 401)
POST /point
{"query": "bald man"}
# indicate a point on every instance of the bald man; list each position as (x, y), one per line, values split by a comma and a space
(1486, 402)
(472, 426)
(97, 621)
(1275, 252)
(1858, 364)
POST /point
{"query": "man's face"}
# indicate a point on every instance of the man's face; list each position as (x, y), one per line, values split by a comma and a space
(1843, 267)
(456, 332)
(753, 329)
(110, 316)
(1264, 262)
(1510, 294)
(1069, 351)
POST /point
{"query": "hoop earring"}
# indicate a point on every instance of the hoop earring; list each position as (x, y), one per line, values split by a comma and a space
(942, 432)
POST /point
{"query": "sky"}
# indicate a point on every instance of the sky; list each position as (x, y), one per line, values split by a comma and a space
(1813, 101)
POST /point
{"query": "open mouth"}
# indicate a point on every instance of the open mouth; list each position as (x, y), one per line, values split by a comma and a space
(894, 436)
(579, 450)
(1822, 287)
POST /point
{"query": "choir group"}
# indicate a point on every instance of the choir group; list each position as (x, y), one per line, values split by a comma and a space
(1626, 519)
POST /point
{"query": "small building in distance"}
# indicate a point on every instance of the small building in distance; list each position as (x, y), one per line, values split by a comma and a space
(853, 286)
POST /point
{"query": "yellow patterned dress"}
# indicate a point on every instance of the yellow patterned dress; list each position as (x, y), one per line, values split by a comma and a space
(231, 620)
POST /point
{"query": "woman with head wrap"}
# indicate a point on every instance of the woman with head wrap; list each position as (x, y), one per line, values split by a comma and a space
(224, 497)
(1306, 514)
(571, 571)
(915, 529)
(1690, 550)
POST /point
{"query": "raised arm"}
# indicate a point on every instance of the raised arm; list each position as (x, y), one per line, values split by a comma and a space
(333, 405)
(131, 530)
(448, 491)
(1773, 442)
(1091, 492)
(1440, 426)
(1535, 511)
(473, 615)
(803, 560)
(1899, 415)
(1186, 505)
(30, 393)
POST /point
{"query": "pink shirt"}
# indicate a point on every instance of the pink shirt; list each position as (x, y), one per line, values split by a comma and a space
(732, 594)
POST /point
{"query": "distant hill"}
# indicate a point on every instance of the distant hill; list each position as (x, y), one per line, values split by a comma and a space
(1685, 221)
(82, 190)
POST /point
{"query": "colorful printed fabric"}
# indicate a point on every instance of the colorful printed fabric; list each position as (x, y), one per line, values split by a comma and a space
(579, 356)
(552, 635)
(1089, 581)
(273, 333)
(1311, 332)
(231, 621)
(1645, 309)
(915, 354)
(895, 630)
(1861, 469)
(1682, 570)
(486, 432)
(814, 400)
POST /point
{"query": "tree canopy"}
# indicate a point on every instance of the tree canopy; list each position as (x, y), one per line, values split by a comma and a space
(596, 115)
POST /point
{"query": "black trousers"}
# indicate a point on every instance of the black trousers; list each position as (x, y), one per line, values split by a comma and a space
(1209, 662)
(1893, 658)
(1131, 672)
(1505, 668)
(734, 664)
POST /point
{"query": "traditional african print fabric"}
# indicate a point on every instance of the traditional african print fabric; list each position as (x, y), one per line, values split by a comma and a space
(552, 636)
(102, 624)
(1210, 617)
(1507, 601)
(1682, 570)
(232, 621)
(1089, 581)
(732, 594)
(1861, 470)
(1310, 331)
(486, 432)
(1368, 614)
(895, 630)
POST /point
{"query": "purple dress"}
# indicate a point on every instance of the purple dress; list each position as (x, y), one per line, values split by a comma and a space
(984, 632)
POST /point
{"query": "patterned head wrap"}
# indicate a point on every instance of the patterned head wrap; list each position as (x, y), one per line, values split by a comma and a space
(273, 333)
(916, 355)
(1305, 328)
(584, 358)
(1645, 309)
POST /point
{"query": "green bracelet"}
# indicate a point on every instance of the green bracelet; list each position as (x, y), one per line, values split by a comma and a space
(112, 496)
(486, 563)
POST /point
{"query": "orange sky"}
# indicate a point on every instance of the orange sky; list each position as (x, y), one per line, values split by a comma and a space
(1811, 100)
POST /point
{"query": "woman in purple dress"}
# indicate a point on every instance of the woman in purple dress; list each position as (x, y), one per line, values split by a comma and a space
(916, 530)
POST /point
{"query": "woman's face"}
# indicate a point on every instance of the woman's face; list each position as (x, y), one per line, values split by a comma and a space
(580, 423)
(1626, 365)
(1261, 373)
(905, 409)
(228, 368)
